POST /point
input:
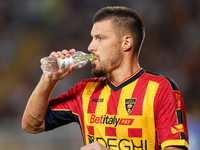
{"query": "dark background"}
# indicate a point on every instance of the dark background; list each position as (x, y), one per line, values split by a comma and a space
(31, 29)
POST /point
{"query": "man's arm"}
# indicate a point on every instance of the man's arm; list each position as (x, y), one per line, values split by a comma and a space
(175, 148)
(33, 118)
(34, 114)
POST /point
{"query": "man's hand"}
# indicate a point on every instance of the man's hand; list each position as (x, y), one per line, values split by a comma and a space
(94, 146)
(34, 114)
(62, 73)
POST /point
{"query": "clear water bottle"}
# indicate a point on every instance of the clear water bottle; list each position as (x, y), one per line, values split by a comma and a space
(52, 64)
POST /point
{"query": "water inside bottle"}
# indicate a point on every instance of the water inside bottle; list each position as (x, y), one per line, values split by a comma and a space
(49, 64)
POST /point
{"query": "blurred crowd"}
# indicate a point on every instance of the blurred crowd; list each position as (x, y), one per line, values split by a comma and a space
(32, 29)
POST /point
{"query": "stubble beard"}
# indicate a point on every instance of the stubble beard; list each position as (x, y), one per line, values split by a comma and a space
(98, 72)
(103, 68)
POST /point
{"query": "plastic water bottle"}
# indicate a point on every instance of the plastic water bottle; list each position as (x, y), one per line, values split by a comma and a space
(52, 64)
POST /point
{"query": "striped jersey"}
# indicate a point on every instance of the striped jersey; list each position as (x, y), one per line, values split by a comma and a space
(145, 111)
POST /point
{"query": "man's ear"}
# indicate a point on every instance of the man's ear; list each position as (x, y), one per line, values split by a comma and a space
(127, 42)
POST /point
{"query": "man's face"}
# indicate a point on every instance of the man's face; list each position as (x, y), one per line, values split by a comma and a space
(105, 46)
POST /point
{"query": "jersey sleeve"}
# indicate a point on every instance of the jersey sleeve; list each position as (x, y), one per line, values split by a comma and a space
(170, 116)
(64, 109)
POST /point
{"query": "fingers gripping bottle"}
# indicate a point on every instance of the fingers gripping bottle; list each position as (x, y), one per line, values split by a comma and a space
(52, 64)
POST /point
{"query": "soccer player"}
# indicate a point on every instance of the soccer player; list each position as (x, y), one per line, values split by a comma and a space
(131, 109)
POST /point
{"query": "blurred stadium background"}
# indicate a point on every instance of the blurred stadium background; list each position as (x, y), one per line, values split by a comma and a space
(31, 29)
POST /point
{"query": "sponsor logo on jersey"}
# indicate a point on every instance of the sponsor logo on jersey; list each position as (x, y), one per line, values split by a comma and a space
(178, 98)
(112, 120)
(96, 100)
(113, 142)
(90, 138)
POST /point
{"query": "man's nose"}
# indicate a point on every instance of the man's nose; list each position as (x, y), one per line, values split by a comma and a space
(91, 46)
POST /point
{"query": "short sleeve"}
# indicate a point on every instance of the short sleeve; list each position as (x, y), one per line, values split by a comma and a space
(64, 109)
(57, 118)
(170, 117)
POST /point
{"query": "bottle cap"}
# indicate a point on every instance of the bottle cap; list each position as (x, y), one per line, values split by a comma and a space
(92, 57)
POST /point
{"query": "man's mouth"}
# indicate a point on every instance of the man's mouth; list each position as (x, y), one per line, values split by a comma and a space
(95, 58)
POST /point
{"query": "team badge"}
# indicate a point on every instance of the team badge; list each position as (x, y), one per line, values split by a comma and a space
(129, 104)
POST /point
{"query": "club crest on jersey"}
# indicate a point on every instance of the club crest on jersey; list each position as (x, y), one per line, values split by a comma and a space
(129, 104)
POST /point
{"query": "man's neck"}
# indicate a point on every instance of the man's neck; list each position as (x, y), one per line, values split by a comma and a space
(123, 72)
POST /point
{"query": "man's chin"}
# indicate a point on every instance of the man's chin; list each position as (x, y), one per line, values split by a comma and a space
(98, 73)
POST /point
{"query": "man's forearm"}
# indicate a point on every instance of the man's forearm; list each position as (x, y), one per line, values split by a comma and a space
(34, 114)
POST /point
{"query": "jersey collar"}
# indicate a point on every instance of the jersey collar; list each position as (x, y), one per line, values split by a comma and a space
(125, 82)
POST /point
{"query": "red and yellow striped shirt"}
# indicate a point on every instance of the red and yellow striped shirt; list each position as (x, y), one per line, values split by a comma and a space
(146, 111)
